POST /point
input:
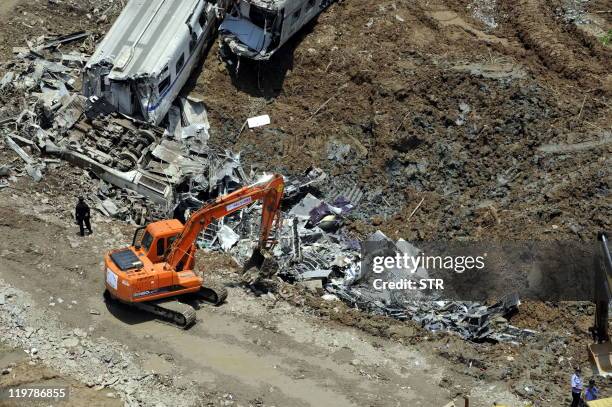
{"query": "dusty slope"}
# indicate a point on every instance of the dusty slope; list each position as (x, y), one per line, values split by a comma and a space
(394, 77)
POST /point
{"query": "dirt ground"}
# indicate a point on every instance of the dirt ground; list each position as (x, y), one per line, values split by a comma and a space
(477, 107)
(250, 351)
(393, 76)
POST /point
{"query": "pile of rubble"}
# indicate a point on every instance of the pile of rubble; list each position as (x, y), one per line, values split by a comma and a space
(315, 250)
(142, 168)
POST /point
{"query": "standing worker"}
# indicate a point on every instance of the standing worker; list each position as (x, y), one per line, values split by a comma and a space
(82, 215)
(576, 387)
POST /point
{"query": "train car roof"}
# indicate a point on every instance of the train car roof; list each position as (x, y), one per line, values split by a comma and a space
(143, 37)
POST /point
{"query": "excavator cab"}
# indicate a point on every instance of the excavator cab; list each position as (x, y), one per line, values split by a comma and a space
(154, 239)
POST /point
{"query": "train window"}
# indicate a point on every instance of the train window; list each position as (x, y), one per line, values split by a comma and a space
(180, 63)
(296, 16)
(192, 43)
(310, 4)
(203, 19)
(163, 85)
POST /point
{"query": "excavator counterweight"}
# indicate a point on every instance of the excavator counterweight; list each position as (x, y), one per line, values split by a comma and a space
(158, 268)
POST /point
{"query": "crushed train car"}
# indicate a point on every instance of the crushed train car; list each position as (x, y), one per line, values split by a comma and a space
(147, 56)
(256, 29)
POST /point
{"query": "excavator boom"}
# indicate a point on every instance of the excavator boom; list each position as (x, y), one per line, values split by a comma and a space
(269, 190)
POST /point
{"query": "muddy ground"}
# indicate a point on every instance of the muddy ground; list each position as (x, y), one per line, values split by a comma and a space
(477, 107)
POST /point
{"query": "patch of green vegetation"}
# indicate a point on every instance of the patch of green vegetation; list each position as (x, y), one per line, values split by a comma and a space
(606, 39)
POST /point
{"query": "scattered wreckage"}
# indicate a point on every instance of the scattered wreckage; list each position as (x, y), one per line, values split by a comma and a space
(314, 248)
(47, 116)
(145, 59)
(146, 172)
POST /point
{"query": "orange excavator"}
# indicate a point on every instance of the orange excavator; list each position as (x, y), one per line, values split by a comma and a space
(158, 268)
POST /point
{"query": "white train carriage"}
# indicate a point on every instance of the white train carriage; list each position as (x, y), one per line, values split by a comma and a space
(147, 56)
(255, 29)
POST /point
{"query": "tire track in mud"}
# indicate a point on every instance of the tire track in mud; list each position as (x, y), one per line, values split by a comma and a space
(535, 33)
(558, 46)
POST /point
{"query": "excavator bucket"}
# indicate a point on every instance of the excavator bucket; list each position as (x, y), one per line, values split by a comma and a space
(263, 261)
(601, 358)
(261, 265)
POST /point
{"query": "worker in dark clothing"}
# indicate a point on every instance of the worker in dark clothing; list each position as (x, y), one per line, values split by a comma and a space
(82, 215)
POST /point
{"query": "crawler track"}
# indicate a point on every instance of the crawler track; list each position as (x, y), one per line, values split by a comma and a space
(171, 311)
(174, 311)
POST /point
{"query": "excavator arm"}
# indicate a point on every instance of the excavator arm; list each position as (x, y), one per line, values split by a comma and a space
(269, 190)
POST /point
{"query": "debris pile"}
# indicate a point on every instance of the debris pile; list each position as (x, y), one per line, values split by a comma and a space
(314, 248)
(143, 170)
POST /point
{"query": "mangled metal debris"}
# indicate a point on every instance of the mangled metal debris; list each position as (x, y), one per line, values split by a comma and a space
(33, 166)
(256, 29)
(227, 237)
(194, 112)
(143, 62)
(43, 43)
(331, 260)
(136, 180)
(116, 148)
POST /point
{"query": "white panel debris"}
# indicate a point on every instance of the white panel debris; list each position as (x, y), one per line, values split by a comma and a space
(33, 166)
(174, 122)
(6, 79)
(194, 112)
(227, 237)
(197, 131)
(258, 121)
(303, 209)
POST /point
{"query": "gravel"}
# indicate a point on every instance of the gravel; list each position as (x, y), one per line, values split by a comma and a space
(99, 363)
